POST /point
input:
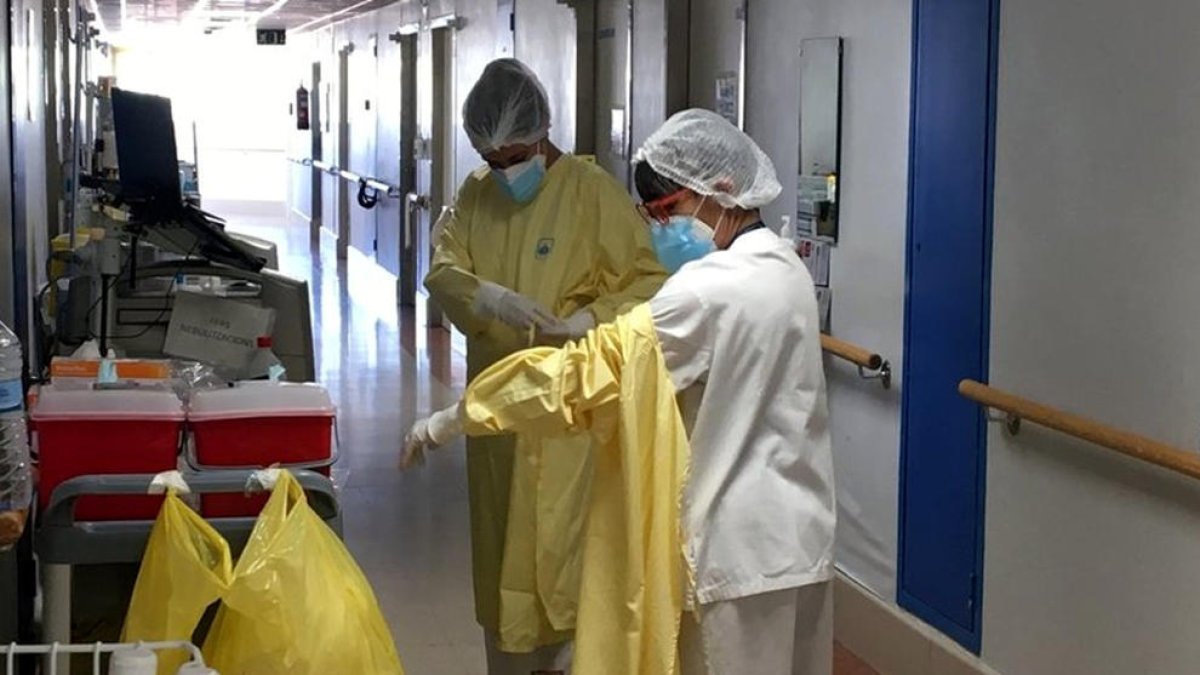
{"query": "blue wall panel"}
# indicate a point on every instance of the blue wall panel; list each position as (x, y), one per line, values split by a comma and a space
(946, 331)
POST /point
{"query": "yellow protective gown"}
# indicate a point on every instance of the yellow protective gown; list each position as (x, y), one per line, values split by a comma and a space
(579, 245)
(615, 383)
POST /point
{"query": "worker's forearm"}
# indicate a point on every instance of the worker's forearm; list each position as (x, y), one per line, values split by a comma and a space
(454, 291)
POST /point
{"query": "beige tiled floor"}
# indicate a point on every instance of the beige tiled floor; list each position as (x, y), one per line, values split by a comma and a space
(409, 532)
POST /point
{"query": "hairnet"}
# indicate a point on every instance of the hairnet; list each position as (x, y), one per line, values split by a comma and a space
(702, 151)
(507, 106)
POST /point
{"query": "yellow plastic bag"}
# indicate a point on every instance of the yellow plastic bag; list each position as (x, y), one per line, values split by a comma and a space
(186, 568)
(298, 603)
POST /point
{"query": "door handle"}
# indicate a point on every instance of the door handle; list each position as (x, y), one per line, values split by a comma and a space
(412, 202)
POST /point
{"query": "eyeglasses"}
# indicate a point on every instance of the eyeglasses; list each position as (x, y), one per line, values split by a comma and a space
(659, 210)
(515, 155)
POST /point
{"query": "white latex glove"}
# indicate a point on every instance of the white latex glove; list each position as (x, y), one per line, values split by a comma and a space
(431, 433)
(574, 328)
(493, 301)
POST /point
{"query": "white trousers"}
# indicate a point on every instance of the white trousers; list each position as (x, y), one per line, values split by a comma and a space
(551, 660)
(781, 633)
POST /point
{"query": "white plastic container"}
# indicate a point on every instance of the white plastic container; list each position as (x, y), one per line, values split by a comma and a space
(195, 669)
(133, 662)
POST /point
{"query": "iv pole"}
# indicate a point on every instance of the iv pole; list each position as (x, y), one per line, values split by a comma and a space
(82, 40)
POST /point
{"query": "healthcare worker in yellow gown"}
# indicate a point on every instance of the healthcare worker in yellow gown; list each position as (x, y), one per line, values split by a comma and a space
(540, 246)
(739, 333)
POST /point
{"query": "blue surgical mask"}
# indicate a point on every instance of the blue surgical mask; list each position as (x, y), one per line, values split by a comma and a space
(681, 240)
(521, 182)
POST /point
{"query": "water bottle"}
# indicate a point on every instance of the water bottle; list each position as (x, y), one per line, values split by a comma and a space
(135, 661)
(15, 480)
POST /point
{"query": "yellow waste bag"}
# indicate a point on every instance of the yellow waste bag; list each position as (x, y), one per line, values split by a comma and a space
(185, 569)
(298, 603)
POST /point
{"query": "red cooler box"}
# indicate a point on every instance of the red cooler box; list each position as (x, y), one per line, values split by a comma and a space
(260, 424)
(88, 432)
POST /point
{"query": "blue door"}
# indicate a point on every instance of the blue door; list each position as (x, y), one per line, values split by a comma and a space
(946, 315)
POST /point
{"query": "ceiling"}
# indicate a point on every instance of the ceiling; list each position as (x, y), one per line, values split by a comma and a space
(118, 16)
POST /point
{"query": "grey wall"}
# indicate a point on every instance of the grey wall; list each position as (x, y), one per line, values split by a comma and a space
(716, 36)
(660, 64)
(545, 39)
(476, 46)
(32, 212)
(1091, 560)
(867, 275)
(612, 89)
(8, 276)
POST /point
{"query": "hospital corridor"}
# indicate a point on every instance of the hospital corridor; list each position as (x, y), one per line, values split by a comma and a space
(599, 337)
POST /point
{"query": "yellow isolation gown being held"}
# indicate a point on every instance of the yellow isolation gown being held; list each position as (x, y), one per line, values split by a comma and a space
(615, 383)
(580, 245)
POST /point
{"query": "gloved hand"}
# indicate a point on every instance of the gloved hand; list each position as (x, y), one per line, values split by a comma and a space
(574, 328)
(431, 433)
(493, 301)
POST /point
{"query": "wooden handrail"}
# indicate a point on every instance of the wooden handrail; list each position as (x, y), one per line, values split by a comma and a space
(1125, 442)
(850, 352)
(865, 360)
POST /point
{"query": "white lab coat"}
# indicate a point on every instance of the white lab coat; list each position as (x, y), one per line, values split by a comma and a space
(759, 510)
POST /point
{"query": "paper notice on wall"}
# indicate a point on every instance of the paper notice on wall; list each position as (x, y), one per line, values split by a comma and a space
(805, 212)
(727, 96)
(811, 191)
(805, 225)
(825, 308)
(815, 255)
(215, 330)
(618, 142)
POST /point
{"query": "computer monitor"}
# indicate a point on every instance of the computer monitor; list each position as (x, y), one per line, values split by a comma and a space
(146, 157)
(149, 182)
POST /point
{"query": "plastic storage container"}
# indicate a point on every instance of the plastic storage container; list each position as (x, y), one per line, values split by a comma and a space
(259, 424)
(88, 432)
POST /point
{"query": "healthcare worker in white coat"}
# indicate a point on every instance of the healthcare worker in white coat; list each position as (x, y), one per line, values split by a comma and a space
(740, 334)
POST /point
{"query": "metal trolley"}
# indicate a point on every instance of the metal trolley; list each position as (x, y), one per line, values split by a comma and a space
(55, 652)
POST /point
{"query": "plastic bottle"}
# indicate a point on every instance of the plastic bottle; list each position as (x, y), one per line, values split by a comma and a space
(195, 669)
(15, 480)
(136, 661)
(264, 362)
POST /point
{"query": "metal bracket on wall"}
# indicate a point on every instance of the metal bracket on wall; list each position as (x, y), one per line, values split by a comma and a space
(883, 374)
(1011, 422)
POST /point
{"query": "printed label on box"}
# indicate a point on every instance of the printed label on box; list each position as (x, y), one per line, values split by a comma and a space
(216, 330)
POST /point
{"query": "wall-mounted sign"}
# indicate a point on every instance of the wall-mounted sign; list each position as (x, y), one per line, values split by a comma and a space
(271, 36)
(815, 255)
(618, 141)
(727, 96)
(825, 308)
